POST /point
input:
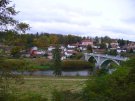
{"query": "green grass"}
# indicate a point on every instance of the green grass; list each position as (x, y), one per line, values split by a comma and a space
(46, 85)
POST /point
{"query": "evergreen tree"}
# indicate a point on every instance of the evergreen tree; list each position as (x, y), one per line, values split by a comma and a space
(131, 51)
(57, 61)
(89, 48)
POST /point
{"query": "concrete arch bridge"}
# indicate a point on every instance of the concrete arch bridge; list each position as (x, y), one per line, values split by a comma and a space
(101, 58)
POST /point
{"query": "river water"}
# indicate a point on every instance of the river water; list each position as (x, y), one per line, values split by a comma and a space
(64, 73)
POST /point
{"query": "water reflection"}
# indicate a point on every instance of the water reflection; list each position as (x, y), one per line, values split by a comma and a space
(64, 73)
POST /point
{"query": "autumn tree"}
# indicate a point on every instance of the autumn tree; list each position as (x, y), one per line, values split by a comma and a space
(53, 39)
(41, 42)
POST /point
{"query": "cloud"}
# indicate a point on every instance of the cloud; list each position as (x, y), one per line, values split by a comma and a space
(114, 18)
(130, 20)
(115, 29)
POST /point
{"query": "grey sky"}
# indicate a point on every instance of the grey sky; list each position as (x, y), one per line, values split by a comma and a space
(114, 18)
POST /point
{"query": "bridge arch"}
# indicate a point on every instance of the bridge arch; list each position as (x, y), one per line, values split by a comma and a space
(109, 61)
(92, 59)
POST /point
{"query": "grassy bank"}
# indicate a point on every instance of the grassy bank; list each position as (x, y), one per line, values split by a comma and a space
(44, 86)
(35, 64)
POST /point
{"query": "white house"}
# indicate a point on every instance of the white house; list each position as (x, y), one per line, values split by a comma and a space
(71, 46)
(121, 50)
(68, 54)
(50, 48)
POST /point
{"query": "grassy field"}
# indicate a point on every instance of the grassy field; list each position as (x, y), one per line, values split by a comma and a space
(46, 85)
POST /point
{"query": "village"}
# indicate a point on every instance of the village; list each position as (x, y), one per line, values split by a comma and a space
(77, 49)
(67, 50)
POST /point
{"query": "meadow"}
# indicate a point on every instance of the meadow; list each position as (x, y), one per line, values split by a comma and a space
(44, 86)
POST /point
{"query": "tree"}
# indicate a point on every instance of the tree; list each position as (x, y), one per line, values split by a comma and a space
(109, 46)
(113, 52)
(71, 39)
(8, 79)
(89, 48)
(6, 14)
(107, 39)
(23, 27)
(103, 46)
(121, 42)
(16, 51)
(10, 37)
(57, 61)
(131, 51)
(41, 42)
(118, 86)
(53, 39)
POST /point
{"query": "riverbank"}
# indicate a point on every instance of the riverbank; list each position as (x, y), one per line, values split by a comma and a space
(44, 86)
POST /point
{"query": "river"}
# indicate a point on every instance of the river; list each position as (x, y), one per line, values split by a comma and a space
(50, 73)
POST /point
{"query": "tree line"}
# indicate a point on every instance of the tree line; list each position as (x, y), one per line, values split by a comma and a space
(41, 40)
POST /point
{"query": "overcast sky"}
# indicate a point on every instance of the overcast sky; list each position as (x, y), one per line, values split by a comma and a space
(114, 18)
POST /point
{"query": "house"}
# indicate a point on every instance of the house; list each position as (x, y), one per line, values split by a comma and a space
(95, 47)
(62, 47)
(131, 45)
(34, 52)
(50, 56)
(82, 48)
(70, 53)
(99, 51)
(51, 48)
(121, 50)
(71, 46)
(87, 42)
(114, 44)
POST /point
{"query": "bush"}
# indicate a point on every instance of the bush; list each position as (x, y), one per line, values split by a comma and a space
(29, 64)
(31, 97)
(76, 56)
(65, 96)
(40, 61)
(7, 78)
(16, 64)
(118, 86)
(25, 97)
(76, 65)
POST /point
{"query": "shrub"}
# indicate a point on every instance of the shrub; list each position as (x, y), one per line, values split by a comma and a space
(118, 86)
(40, 61)
(66, 96)
(7, 78)
(76, 65)
(31, 97)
